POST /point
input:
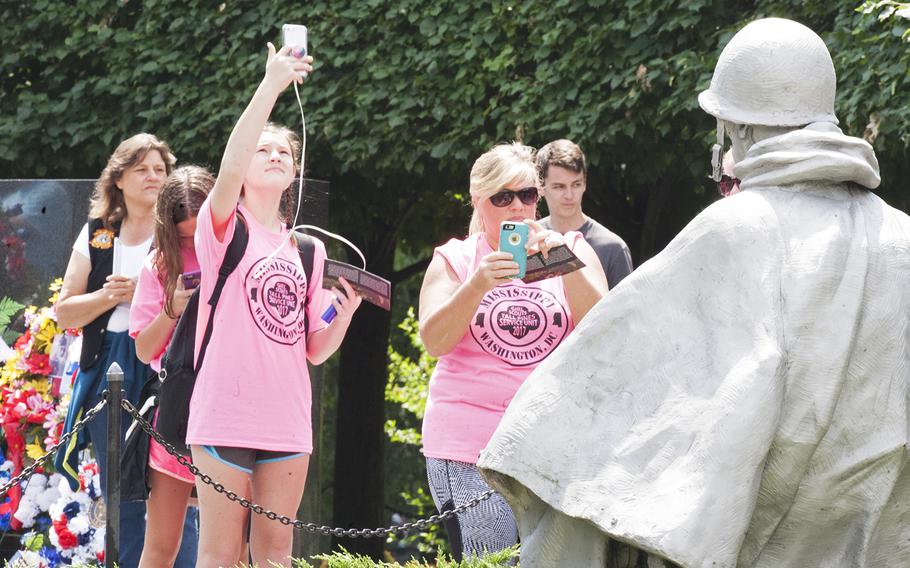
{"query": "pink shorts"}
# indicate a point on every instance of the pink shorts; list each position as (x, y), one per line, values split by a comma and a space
(160, 460)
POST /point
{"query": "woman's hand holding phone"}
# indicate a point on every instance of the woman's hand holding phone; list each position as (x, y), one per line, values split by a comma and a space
(282, 68)
(494, 269)
(181, 299)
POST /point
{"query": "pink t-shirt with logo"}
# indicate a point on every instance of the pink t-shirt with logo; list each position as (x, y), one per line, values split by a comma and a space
(148, 299)
(253, 390)
(515, 327)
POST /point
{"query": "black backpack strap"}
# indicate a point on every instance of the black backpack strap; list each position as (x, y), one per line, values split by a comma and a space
(306, 247)
(231, 259)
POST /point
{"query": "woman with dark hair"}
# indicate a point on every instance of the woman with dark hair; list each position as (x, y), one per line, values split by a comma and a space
(96, 294)
(159, 301)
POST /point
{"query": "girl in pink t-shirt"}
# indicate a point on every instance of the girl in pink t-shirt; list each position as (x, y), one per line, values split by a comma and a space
(490, 331)
(249, 425)
(159, 300)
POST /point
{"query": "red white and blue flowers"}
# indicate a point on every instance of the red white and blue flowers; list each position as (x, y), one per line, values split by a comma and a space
(55, 522)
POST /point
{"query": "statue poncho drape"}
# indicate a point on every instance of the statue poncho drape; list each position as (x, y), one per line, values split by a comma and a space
(740, 399)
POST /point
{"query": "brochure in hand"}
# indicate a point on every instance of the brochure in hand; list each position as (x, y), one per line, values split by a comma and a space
(374, 289)
(560, 260)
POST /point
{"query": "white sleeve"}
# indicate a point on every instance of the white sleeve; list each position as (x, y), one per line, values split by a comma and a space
(81, 244)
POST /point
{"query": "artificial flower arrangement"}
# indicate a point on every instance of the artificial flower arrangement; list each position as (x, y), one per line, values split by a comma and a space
(68, 525)
(53, 518)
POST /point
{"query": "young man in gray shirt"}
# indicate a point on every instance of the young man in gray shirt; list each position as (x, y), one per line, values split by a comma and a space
(564, 175)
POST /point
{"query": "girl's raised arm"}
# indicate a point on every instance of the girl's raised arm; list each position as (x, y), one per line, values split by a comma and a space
(280, 70)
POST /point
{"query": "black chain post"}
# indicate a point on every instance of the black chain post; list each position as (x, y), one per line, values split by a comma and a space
(112, 530)
(382, 532)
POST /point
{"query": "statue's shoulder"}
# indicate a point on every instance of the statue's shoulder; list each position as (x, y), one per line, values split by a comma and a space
(745, 213)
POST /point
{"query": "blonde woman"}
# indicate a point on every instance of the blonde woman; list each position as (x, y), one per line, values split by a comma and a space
(490, 331)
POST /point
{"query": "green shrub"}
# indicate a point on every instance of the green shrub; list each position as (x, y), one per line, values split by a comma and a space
(406, 398)
(344, 559)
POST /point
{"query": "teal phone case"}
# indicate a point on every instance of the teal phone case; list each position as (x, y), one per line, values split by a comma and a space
(513, 236)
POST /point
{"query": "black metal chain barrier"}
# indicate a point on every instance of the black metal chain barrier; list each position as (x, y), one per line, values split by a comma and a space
(27, 472)
(311, 527)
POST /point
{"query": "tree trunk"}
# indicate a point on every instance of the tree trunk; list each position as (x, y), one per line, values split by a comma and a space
(658, 197)
(307, 544)
(360, 436)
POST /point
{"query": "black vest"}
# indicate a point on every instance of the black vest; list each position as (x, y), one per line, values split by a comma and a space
(102, 260)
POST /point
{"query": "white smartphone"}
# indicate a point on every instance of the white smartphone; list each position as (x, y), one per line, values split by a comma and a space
(295, 35)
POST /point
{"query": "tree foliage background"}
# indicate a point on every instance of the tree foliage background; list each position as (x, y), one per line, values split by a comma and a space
(404, 96)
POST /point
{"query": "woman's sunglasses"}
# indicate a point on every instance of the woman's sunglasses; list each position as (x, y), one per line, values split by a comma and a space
(528, 196)
(727, 184)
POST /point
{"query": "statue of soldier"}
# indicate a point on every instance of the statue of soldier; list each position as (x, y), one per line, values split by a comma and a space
(741, 400)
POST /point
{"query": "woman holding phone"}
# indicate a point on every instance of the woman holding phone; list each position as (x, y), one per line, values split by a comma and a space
(490, 330)
(249, 425)
(97, 290)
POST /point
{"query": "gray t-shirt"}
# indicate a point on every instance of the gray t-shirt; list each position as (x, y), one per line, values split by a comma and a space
(611, 250)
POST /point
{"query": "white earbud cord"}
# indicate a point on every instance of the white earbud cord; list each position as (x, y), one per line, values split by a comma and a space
(268, 261)
(337, 238)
